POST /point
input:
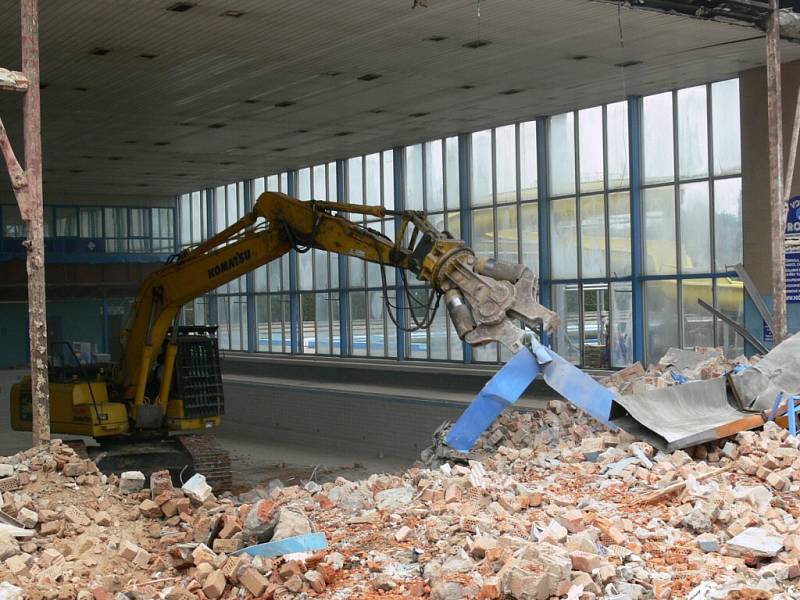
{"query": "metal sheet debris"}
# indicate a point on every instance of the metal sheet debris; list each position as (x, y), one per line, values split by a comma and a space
(309, 542)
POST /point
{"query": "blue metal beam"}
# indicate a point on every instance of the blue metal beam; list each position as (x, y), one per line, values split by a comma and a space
(344, 298)
(635, 137)
(294, 295)
(399, 164)
(544, 216)
(211, 297)
(464, 200)
(250, 282)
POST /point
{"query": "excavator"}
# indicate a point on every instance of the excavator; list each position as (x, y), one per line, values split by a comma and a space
(145, 411)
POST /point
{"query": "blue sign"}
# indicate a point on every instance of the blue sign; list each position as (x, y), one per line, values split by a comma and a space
(793, 258)
(767, 333)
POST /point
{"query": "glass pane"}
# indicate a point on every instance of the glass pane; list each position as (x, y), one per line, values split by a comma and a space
(692, 132)
(595, 326)
(590, 136)
(308, 325)
(562, 154)
(260, 279)
(481, 161)
(728, 222)
(661, 306)
(319, 188)
(619, 232)
(528, 174)
(304, 184)
(166, 222)
(66, 221)
(13, 227)
(564, 239)
(486, 353)
(438, 335)
(414, 198)
(224, 323)
(659, 231)
(116, 223)
(358, 323)
(372, 177)
(258, 187)
(453, 183)
(333, 193)
(232, 204)
(355, 181)
(220, 210)
(140, 222)
(356, 272)
(507, 236)
(529, 228)
(273, 185)
(305, 270)
(274, 276)
(483, 232)
(416, 341)
(658, 159)
(617, 145)
(695, 228)
(377, 339)
(730, 300)
(322, 305)
(198, 217)
(320, 269)
(622, 324)
(186, 220)
(726, 128)
(284, 185)
(388, 179)
(698, 323)
(92, 222)
(434, 177)
(566, 340)
(593, 236)
(262, 323)
(505, 142)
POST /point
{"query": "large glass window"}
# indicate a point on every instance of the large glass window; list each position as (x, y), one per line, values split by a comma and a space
(692, 217)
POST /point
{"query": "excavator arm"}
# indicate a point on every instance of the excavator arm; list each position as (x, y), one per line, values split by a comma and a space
(484, 297)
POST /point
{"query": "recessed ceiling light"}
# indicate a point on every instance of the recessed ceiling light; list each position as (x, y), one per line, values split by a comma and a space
(226, 162)
(148, 55)
(87, 156)
(181, 6)
(240, 147)
(377, 111)
(162, 144)
(332, 73)
(436, 38)
(184, 124)
(476, 44)
(114, 158)
(628, 63)
(250, 101)
(180, 174)
(369, 77)
(142, 184)
(76, 170)
(190, 161)
(343, 133)
(418, 114)
(131, 142)
(284, 104)
(466, 86)
(579, 57)
(232, 13)
(302, 130)
(279, 149)
(81, 89)
(99, 51)
(510, 92)
(216, 125)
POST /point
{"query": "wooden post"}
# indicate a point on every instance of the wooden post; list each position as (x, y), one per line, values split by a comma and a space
(27, 185)
(777, 200)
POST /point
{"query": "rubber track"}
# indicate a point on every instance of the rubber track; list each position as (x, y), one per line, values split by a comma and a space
(209, 459)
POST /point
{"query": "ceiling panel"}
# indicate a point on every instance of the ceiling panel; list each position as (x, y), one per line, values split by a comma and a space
(186, 100)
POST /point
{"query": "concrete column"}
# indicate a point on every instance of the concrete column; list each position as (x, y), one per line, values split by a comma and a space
(756, 184)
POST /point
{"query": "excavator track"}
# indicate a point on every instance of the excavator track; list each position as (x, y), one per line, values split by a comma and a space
(209, 459)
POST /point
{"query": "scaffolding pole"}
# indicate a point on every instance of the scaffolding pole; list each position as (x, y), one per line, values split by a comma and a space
(776, 195)
(27, 185)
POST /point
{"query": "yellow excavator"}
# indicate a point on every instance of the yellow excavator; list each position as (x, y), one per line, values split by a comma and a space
(169, 378)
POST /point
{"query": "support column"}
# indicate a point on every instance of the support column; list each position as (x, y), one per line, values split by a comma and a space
(545, 291)
(250, 282)
(399, 165)
(344, 297)
(27, 185)
(294, 295)
(211, 297)
(637, 292)
(464, 198)
(777, 200)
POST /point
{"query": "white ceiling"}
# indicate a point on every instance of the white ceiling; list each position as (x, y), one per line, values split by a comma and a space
(143, 125)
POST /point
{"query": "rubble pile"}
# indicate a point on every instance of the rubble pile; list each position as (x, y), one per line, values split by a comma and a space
(675, 367)
(548, 505)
